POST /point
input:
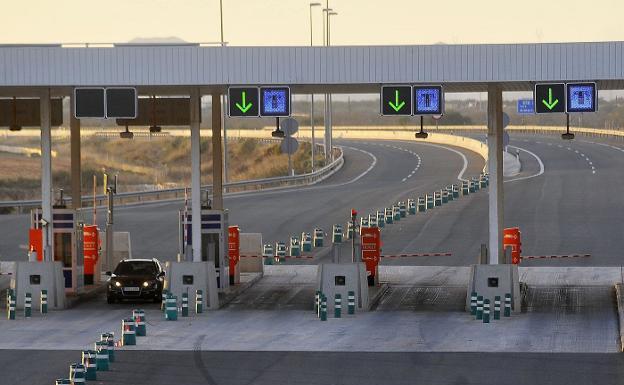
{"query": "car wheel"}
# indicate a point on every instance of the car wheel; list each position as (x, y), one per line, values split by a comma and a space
(110, 299)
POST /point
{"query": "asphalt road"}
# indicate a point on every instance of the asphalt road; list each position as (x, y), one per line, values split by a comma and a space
(39, 367)
(570, 208)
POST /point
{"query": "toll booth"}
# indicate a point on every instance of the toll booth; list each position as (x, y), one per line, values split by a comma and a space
(371, 253)
(214, 223)
(67, 244)
(234, 254)
(511, 238)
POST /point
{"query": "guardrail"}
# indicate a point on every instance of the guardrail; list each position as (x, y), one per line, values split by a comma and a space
(178, 193)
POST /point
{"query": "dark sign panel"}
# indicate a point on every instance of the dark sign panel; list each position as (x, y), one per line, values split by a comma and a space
(274, 101)
(550, 98)
(161, 112)
(428, 100)
(243, 102)
(89, 103)
(396, 100)
(582, 97)
(121, 103)
(26, 112)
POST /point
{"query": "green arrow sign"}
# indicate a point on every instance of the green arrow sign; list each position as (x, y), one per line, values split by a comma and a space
(243, 102)
(550, 104)
(396, 105)
(245, 106)
(549, 98)
(396, 100)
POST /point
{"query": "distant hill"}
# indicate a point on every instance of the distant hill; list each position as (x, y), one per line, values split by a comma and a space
(157, 40)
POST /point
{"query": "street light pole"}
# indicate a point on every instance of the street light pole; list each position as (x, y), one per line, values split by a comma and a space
(225, 146)
(312, 94)
(327, 99)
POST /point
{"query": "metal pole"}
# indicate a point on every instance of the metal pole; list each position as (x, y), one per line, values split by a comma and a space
(217, 154)
(76, 177)
(109, 229)
(312, 94)
(353, 241)
(223, 117)
(46, 176)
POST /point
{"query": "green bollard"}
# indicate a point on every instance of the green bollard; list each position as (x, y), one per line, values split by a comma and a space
(317, 300)
(479, 307)
(77, 374)
(101, 356)
(109, 338)
(128, 332)
(323, 308)
(199, 302)
(351, 299)
(486, 312)
(337, 306)
(171, 313)
(139, 322)
(28, 305)
(88, 360)
(11, 304)
(507, 312)
(163, 303)
(185, 312)
(473, 303)
(497, 307)
(44, 302)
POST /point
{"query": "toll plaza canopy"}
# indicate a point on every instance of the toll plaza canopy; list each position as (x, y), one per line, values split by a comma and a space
(334, 69)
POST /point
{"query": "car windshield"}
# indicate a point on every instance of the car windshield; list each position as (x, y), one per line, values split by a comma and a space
(136, 268)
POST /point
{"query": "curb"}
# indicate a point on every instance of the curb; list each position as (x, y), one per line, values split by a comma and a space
(620, 309)
(229, 297)
(74, 300)
(374, 301)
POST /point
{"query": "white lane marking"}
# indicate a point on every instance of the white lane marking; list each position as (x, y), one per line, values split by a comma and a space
(415, 168)
(560, 146)
(465, 160)
(590, 163)
(541, 165)
(569, 149)
(290, 190)
(404, 179)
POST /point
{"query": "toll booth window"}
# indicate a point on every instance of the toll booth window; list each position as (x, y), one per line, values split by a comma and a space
(339, 280)
(187, 279)
(493, 282)
(210, 248)
(35, 279)
(63, 248)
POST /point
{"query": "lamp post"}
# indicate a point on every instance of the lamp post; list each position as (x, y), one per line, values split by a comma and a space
(223, 121)
(327, 100)
(312, 94)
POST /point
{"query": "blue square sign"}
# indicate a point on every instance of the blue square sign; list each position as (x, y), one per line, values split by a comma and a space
(428, 100)
(274, 101)
(581, 97)
(526, 106)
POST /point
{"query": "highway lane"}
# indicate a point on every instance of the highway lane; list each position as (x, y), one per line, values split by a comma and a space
(571, 208)
(279, 214)
(224, 368)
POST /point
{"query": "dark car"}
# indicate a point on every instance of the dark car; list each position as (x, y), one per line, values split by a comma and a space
(136, 279)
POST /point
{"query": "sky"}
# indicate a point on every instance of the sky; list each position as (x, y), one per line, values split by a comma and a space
(286, 22)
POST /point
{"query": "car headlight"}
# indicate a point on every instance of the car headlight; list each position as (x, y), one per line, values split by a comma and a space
(117, 283)
(145, 284)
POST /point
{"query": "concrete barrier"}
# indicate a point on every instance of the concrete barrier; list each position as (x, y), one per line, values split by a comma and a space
(251, 244)
(620, 309)
(511, 164)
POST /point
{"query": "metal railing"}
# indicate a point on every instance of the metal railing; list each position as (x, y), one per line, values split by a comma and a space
(134, 197)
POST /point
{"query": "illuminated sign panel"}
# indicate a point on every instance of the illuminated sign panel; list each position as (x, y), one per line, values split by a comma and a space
(581, 97)
(274, 101)
(550, 98)
(428, 100)
(396, 100)
(243, 101)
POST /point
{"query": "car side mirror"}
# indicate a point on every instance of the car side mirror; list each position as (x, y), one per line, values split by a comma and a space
(161, 274)
(108, 273)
